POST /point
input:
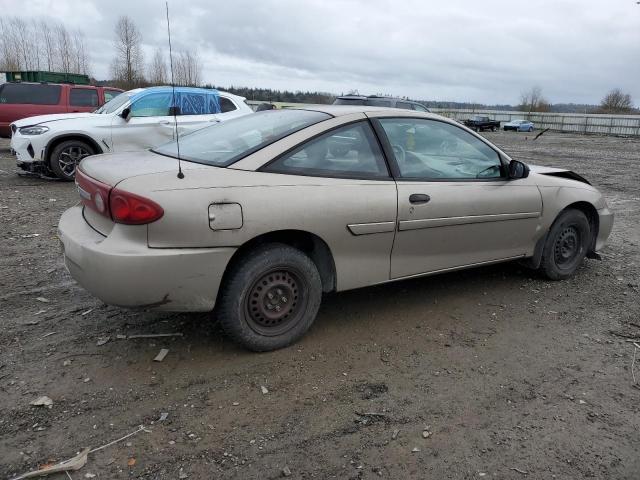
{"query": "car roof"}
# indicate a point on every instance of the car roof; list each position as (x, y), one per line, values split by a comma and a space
(375, 97)
(73, 85)
(339, 110)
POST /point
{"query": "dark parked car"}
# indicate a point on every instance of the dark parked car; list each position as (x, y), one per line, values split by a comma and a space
(24, 99)
(376, 101)
(480, 123)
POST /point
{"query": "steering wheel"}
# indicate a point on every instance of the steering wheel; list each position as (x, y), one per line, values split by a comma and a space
(399, 152)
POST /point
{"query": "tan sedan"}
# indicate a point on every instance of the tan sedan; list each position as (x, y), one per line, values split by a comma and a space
(273, 209)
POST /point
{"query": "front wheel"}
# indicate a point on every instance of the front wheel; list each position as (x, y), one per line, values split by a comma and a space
(566, 245)
(270, 298)
(66, 156)
(530, 129)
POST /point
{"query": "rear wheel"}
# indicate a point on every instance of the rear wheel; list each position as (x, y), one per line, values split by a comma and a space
(66, 156)
(270, 298)
(566, 245)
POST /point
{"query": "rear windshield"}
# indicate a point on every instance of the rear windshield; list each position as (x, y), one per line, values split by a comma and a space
(222, 144)
(31, 94)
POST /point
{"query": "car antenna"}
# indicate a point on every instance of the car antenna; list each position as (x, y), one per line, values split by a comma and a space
(173, 95)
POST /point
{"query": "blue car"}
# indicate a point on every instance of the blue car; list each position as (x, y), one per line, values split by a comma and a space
(519, 126)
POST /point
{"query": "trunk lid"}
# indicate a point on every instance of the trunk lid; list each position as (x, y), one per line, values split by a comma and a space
(112, 168)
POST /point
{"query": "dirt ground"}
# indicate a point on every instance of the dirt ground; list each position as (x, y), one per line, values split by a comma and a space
(511, 376)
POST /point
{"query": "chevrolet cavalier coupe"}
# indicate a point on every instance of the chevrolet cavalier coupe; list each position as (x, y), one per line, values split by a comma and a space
(275, 208)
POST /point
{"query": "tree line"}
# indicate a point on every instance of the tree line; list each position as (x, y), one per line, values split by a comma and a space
(42, 45)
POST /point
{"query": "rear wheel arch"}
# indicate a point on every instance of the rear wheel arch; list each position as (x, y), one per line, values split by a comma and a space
(310, 244)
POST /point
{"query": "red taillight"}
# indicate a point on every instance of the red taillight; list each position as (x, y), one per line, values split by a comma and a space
(93, 194)
(133, 209)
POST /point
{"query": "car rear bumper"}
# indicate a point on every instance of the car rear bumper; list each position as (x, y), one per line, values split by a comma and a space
(122, 270)
(606, 225)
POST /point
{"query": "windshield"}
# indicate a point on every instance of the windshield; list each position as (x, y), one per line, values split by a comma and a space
(114, 104)
(222, 144)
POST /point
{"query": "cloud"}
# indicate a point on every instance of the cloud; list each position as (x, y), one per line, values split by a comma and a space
(459, 50)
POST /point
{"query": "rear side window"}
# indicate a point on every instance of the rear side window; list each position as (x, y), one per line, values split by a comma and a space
(84, 97)
(350, 151)
(109, 94)
(348, 101)
(226, 105)
(30, 94)
(378, 103)
(405, 105)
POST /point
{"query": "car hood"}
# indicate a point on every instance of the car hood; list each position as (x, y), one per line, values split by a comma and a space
(558, 172)
(40, 119)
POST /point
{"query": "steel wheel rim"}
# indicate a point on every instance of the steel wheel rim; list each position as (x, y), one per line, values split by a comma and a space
(567, 246)
(276, 302)
(70, 157)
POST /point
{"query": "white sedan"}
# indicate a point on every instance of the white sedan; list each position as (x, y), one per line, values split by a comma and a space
(133, 121)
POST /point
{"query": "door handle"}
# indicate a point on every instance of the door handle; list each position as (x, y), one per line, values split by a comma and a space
(419, 198)
(165, 122)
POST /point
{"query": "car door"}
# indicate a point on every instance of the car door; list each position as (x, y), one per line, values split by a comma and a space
(148, 125)
(346, 195)
(455, 205)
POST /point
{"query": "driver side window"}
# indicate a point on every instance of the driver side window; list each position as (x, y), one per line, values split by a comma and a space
(152, 105)
(429, 149)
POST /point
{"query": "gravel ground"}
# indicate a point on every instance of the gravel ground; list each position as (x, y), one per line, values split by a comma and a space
(509, 375)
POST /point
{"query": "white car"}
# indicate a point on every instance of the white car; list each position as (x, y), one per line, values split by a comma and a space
(135, 120)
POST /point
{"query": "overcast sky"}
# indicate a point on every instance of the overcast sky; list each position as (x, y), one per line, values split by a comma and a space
(458, 50)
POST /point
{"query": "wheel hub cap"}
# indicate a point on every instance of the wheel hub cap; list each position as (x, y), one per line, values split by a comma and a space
(70, 157)
(567, 245)
(274, 300)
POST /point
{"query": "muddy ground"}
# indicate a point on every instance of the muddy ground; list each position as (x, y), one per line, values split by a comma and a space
(512, 376)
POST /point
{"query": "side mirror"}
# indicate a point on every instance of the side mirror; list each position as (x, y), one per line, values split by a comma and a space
(126, 113)
(518, 170)
(174, 111)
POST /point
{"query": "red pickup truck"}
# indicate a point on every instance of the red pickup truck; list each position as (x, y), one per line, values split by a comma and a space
(21, 100)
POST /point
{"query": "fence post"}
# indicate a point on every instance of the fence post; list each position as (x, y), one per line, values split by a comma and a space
(562, 124)
(586, 123)
(610, 125)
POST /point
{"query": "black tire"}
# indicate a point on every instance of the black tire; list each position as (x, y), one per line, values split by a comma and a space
(66, 156)
(270, 298)
(566, 245)
(493, 129)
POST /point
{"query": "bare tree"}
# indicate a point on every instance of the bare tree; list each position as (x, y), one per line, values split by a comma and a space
(10, 58)
(79, 61)
(49, 45)
(533, 101)
(616, 101)
(127, 65)
(187, 69)
(63, 48)
(158, 69)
